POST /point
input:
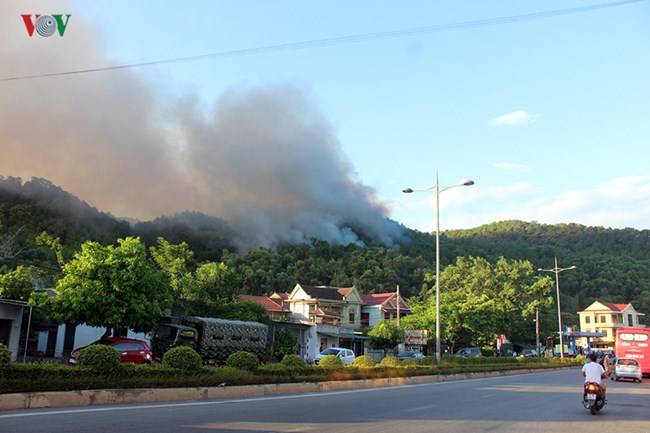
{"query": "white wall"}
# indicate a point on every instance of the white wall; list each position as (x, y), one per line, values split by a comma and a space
(15, 314)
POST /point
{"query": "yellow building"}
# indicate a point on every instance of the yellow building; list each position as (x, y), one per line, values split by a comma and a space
(605, 317)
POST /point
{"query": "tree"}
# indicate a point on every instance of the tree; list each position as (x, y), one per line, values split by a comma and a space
(113, 287)
(385, 335)
(20, 283)
(481, 300)
(176, 263)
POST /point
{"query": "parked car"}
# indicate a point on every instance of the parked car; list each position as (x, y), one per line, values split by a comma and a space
(346, 355)
(410, 354)
(468, 352)
(130, 350)
(528, 352)
(627, 368)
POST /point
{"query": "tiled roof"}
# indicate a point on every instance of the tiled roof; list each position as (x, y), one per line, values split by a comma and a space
(377, 298)
(615, 307)
(324, 292)
(265, 301)
(325, 313)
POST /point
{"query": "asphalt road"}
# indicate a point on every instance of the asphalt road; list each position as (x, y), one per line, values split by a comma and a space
(541, 402)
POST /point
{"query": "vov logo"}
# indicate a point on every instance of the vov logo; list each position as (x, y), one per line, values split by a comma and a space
(45, 25)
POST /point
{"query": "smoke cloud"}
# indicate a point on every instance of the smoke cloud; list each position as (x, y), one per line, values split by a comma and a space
(264, 158)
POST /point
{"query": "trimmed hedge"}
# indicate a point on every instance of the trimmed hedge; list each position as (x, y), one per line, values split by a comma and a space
(330, 361)
(390, 361)
(40, 377)
(5, 356)
(244, 361)
(364, 361)
(183, 358)
(100, 359)
(293, 361)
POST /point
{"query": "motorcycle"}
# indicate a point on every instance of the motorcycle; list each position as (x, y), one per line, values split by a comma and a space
(593, 398)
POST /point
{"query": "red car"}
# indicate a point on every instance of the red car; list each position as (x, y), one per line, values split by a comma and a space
(131, 350)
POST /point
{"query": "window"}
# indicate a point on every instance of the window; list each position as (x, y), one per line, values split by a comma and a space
(587, 319)
(614, 318)
(603, 319)
(630, 322)
(135, 346)
(595, 319)
(351, 317)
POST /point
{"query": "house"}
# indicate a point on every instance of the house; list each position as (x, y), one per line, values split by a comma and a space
(330, 316)
(605, 317)
(382, 306)
(11, 319)
(274, 305)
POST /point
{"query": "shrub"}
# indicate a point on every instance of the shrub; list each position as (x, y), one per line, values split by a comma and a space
(293, 361)
(244, 361)
(330, 361)
(389, 361)
(364, 361)
(429, 361)
(409, 362)
(100, 359)
(183, 358)
(5, 356)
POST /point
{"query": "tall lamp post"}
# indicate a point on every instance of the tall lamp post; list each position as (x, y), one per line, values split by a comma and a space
(438, 189)
(556, 270)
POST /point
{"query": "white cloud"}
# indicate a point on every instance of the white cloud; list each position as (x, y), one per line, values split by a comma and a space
(515, 118)
(618, 203)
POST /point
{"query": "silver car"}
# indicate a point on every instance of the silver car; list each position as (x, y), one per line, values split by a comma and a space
(626, 368)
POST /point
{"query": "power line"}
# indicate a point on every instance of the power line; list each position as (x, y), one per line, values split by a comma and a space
(341, 40)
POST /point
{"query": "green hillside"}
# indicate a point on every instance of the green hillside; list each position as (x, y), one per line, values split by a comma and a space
(612, 265)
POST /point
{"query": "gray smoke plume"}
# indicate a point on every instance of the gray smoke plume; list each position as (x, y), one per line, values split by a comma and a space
(264, 158)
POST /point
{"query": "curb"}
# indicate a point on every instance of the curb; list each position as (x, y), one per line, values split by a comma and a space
(55, 399)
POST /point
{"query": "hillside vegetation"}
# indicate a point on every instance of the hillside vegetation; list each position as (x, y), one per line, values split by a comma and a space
(612, 265)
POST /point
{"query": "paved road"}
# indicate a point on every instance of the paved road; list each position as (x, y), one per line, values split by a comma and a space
(541, 402)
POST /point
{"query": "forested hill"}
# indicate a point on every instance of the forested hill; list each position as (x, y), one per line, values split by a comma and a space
(612, 265)
(523, 238)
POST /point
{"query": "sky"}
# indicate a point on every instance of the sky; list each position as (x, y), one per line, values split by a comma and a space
(290, 115)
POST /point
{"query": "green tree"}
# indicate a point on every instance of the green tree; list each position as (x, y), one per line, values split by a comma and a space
(481, 300)
(177, 263)
(385, 335)
(112, 287)
(20, 283)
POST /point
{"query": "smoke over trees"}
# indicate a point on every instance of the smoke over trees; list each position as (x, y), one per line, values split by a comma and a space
(264, 158)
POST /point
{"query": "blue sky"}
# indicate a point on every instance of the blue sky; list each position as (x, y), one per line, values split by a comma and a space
(549, 117)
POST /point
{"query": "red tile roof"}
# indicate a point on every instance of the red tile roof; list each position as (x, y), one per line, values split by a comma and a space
(265, 301)
(615, 307)
(377, 298)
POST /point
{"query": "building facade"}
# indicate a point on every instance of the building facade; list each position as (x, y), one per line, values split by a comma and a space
(605, 317)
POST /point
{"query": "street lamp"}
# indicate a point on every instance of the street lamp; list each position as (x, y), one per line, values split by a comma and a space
(556, 270)
(438, 190)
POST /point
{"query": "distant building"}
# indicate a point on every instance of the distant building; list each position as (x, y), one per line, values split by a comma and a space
(605, 317)
(382, 306)
(333, 316)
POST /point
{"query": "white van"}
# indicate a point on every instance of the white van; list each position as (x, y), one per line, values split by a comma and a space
(346, 355)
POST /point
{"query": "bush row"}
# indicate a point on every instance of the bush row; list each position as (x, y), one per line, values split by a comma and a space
(181, 367)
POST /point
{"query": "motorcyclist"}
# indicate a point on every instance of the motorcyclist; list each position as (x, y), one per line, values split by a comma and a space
(594, 372)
